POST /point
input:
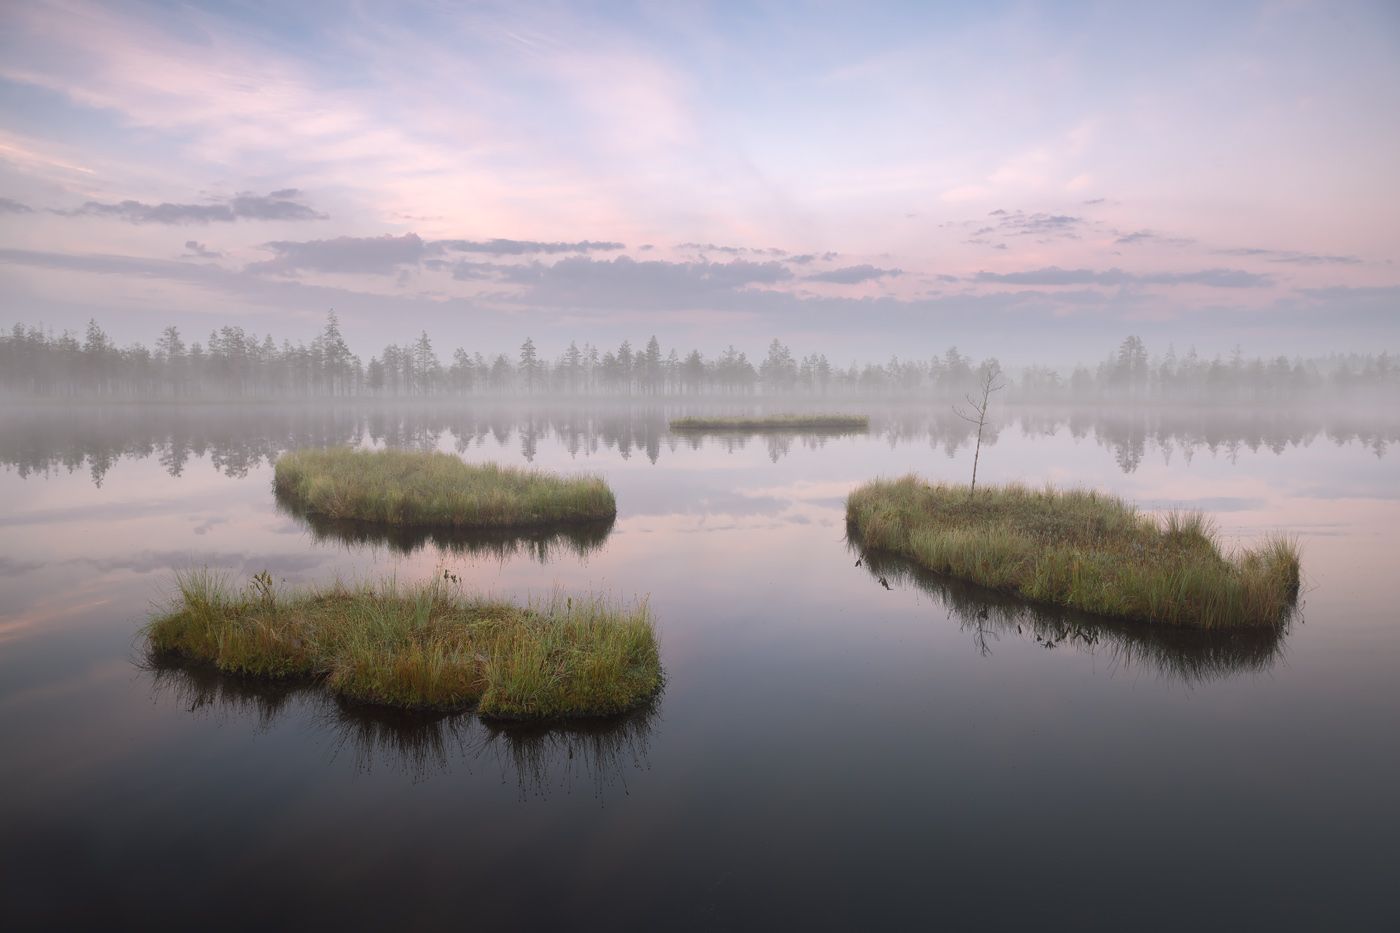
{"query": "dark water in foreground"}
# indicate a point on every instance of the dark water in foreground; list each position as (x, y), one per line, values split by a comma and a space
(827, 752)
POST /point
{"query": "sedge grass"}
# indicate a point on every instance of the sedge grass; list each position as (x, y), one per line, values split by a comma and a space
(817, 422)
(425, 646)
(402, 487)
(1080, 550)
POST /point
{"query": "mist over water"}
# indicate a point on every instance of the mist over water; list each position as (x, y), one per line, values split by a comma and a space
(808, 698)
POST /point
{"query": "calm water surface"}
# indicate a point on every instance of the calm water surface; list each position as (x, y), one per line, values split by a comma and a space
(828, 752)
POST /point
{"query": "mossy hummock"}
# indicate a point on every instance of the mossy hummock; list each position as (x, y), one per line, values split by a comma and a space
(1080, 550)
(427, 646)
(774, 423)
(430, 488)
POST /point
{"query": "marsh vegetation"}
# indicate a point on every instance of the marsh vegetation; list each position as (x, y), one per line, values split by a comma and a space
(1079, 550)
(809, 422)
(430, 488)
(424, 646)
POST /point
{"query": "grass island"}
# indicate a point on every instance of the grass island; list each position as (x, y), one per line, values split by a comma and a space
(430, 488)
(1080, 550)
(425, 646)
(814, 422)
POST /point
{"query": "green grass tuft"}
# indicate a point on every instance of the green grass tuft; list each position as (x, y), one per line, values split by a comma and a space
(421, 647)
(402, 487)
(1081, 550)
(774, 423)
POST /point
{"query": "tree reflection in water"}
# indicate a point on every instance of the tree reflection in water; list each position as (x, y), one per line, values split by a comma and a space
(238, 439)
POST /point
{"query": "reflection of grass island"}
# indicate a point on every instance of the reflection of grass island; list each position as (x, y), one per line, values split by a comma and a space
(420, 647)
(1080, 550)
(422, 743)
(774, 423)
(401, 487)
(542, 542)
(1178, 652)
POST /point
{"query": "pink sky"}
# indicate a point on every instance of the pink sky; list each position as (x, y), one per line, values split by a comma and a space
(1021, 179)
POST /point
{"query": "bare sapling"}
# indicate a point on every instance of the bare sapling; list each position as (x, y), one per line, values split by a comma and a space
(976, 411)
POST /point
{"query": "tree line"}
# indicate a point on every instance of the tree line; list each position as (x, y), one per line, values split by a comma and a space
(234, 363)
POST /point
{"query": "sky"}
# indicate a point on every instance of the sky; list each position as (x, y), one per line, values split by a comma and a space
(1027, 180)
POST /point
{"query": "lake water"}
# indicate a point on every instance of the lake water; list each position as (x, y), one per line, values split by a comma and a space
(827, 752)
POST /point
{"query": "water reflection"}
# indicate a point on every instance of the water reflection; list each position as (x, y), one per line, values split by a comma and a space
(779, 442)
(598, 754)
(238, 438)
(201, 688)
(543, 544)
(1189, 656)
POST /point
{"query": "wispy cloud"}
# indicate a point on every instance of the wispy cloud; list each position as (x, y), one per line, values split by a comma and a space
(500, 247)
(1038, 223)
(197, 250)
(853, 275)
(279, 205)
(733, 250)
(630, 283)
(1291, 256)
(11, 206)
(382, 255)
(1054, 275)
(1140, 237)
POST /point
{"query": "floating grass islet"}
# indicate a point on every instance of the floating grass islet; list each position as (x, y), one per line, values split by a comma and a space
(423, 646)
(430, 488)
(815, 422)
(1080, 550)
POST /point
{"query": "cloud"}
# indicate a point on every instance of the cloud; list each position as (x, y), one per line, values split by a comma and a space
(464, 270)
(388, 254)
(499, 247)
(1054, 275)
(1020, 223)
(1149, 236)
(1388, 294)
(726, 302)
(853, 275)
(196, 250)
(733, 250)
(381, 255)
(803, 258)
(1093, 202)
(1291, 256)
(11, 206)
(650, 284)
(278, 205)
